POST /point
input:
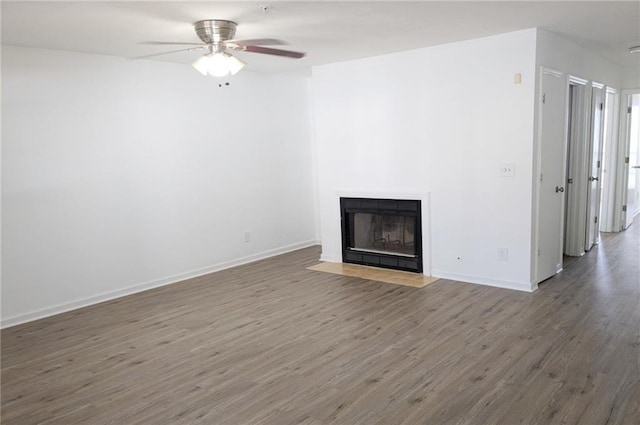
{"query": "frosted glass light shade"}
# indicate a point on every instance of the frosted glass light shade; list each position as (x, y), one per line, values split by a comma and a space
(235, 64)
(218, 64)
(202, 64)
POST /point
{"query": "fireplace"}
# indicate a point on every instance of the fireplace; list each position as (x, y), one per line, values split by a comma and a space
(382, 233)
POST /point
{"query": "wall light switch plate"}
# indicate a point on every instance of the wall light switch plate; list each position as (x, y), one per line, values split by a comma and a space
(503, 254)
(507, 169)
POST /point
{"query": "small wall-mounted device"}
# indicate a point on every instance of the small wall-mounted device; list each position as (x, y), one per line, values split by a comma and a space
(507, 169)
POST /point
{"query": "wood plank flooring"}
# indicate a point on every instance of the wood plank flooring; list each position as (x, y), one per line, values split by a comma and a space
(275, 343)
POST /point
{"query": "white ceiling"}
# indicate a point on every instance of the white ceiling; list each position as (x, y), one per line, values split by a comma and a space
(327, 31)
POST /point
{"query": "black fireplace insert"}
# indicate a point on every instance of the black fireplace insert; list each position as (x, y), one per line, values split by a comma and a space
(382, 233)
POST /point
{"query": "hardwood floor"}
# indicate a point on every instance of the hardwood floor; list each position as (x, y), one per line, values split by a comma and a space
(274, 343)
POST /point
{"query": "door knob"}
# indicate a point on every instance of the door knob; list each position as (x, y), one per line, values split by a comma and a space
(591, 179)
(559, 189)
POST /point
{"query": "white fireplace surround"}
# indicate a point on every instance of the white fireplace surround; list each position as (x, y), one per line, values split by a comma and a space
(332, 245)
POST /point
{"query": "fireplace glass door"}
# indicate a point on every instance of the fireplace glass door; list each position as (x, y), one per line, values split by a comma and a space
(382, 232)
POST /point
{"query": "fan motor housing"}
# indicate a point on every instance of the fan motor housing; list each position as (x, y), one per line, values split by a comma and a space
(215, 31)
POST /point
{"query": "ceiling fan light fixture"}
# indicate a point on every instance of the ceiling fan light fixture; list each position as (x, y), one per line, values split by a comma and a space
(217, 36)
(219, 64)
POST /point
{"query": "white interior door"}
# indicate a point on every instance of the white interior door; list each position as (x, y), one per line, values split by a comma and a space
(609, 162)
(594, 166)
(633, 153)
(551, 173)
(577, 136)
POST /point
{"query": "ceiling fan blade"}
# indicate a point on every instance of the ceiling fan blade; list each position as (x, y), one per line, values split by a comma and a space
(275, 52)
(170, 43)
(166, 53)
(256, 42)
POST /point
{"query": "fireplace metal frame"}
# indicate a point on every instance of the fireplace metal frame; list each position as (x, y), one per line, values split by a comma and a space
(392, 207)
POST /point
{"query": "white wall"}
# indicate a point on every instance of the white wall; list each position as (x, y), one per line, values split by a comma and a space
(120, 175)
(631, 79)
(438, 120)
(560, 54)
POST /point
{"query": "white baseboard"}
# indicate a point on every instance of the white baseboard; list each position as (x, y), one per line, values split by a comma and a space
(330, 259)
(518, 286)
(145, 286)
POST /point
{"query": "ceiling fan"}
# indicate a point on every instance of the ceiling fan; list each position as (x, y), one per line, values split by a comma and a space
(217, 39)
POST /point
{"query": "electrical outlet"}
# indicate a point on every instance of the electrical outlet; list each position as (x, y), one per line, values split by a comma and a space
(247, 237)
(503, 254)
